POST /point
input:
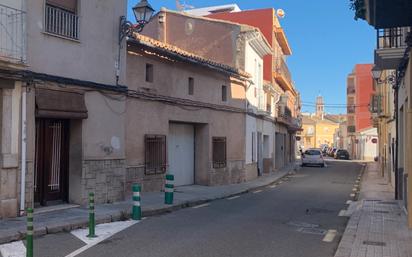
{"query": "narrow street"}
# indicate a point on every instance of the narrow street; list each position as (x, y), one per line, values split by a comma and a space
(289, 219)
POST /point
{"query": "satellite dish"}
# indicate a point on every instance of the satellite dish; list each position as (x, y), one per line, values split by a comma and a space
(280, 13)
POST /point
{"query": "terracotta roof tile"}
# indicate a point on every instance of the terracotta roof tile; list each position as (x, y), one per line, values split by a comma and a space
(151, 42)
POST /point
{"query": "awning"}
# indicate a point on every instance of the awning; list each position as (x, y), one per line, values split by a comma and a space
(56, 104)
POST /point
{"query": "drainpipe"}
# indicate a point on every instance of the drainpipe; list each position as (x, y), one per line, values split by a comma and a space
(23, 152)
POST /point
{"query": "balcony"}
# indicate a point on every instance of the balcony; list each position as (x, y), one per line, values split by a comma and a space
(61, 23)
(385, 13)
(282, 75)
(283, 41)
(351, 129)
(12, 35)
(351, 109)
(350, 90)
(390, 47)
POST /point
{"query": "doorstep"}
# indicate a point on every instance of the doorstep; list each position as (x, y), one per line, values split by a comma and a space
(69, 217)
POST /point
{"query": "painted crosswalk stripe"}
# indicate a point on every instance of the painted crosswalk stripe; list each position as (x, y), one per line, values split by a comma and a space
(201, 206)
(330, 236)
(257, 191)
(349, 201)
(233, 197)
(15, 249)
(352, 195)
(342, 213)
(103, 231)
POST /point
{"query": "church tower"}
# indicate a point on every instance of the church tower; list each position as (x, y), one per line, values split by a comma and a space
(320, 107)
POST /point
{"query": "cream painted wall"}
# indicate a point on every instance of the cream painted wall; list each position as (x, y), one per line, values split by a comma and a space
(93, 57)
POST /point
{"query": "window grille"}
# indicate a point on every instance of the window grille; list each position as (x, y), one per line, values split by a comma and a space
(155, 154)
(219, 152)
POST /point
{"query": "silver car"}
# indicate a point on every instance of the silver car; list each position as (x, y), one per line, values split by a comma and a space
(313, 156)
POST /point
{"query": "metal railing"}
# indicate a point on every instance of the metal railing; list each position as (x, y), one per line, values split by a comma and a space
(12, 34)
(391, 38)
(351, 129)
(282, 68)
(61, 22)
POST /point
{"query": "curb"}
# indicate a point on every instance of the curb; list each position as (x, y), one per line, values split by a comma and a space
(40, 229)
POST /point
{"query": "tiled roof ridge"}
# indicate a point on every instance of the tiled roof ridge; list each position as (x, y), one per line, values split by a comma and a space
(176, 50)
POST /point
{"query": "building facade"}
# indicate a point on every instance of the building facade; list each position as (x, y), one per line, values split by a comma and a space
(62, 120)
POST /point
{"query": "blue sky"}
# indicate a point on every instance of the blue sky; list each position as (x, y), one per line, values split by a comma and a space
(326, 42)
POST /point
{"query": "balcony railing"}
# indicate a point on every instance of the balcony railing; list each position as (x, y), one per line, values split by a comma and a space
(282, 68)
(351, 109)
(351, 129)
(61, 22)
(12, 34)
(391, 38)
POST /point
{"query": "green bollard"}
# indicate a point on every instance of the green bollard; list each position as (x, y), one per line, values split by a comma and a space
(136, 211)
(92, 221)
(29, 236)
(169, 189)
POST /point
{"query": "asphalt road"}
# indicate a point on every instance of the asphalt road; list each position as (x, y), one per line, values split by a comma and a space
(287, 220)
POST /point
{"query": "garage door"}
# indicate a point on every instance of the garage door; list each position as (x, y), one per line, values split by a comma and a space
(181, 153)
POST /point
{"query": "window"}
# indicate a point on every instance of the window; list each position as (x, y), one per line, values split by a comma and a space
(191, 87)
(224, 93)
(155, 154)
(62, 19)
(149, 72)
(219, 152)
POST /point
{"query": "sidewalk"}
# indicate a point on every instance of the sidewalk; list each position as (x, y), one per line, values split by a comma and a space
(378, 226)
(152, 204)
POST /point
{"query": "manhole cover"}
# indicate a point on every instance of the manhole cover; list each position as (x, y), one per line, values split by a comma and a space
(302, 224)
(313, 231)
(374, 243)
(378, 211)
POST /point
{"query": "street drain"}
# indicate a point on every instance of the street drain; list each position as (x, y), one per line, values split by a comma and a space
(374, 243)
(390, 203)
(378, 211)
(313, 231)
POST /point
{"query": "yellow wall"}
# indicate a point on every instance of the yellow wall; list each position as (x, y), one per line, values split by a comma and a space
(308, 139)
(324, 133)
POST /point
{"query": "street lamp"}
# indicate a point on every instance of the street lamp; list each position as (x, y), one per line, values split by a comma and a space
(377, 74)
(143, 12)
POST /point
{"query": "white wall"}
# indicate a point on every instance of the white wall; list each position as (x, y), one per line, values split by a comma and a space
(252, 63)
(250, 128)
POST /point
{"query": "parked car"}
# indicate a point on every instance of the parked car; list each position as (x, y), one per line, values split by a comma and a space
(342, 154)
(313, 156)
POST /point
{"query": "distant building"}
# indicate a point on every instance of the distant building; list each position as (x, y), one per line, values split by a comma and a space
(214, 9)
(359, 92)
(319, 128)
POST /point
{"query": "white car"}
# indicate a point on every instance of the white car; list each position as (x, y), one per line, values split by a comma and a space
(313, 156)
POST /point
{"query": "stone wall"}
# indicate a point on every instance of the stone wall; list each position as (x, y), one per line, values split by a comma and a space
(234, 173)
(8, 193)
(149, 183)
(106, 178)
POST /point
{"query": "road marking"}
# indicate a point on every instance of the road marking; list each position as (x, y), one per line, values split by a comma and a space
(201, 206)
(354, 189)
(233, 197)
(349, 201)
(257, 191)
(103, 232)
(330, 236)
(273, 186)
(15, 249)
(352, 195)
(342, 213)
